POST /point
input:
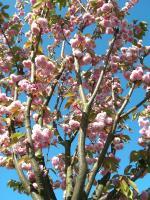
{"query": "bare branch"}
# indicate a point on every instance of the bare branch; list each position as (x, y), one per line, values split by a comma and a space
(62, 50)
(134, 108)
(79, 81)
(113, 93)
(82, 6)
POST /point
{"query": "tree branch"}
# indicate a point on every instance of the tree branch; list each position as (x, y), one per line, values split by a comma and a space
(100, 186)
(79, 81)
(24, 180)
(110, 137)
(134, 108)
(103, 70)
(44, 186)
(80, 180)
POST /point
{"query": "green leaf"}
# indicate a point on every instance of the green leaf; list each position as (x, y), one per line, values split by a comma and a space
(135, 116)
(3, 15)
(38, 4)
(137, 155)
(16, 186)
(143, 25)
(69, 94)
(124, 187)
(134, 156)
(125, 138)
(9, 162)
(90, 154)
(110, 163)
(17, 136)
(130, 194)
(132, 184)
(69, 102)
(5, 7)
(127, 169)
(61, 3)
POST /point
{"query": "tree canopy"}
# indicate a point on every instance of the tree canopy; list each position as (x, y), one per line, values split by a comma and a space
(68, 72)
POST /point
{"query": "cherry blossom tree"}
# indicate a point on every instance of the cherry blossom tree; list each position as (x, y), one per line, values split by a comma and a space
(65, 103)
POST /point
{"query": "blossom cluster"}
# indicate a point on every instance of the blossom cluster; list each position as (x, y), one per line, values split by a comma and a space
(59, 164)
(144, 124)
(101, 121)
(138, 75)
(71, 126)
(81, 44)
(41, 136)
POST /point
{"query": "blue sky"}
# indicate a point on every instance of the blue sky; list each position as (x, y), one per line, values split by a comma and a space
(141, 12)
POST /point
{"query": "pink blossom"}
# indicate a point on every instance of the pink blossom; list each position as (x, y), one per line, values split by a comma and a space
(27, 63)
(87, 59)
(146, 78)
(144, 195)
(41, 136)
(109, 30)
(66, 128)
(105, 23)
(15, 78)
(55, 161)
(74, 124)
(77, 53)
(141, 141)
(35, 185)
(119, 146)
(3, 97)
(31, 175)
(2, 160)
(106, 7)
(116, 140)
(66, 32)
(50, 65)
(97, 126)
(32, 2)
(43, 23)
(88, 18)
(143, 122)
(101, 116)
(15, 106)
(35, 28)
(26, 166)
(40, 61)
(127, 74)
(109, 120)
(136, 75)
(4, 139)
(74, 43)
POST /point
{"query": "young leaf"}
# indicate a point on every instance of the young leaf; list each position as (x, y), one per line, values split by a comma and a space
(124, 187)
(132, 184)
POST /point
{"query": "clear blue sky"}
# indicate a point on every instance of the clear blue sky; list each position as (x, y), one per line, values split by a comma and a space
(141, 12)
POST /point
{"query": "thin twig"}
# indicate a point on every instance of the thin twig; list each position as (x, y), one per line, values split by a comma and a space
(134, 108)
